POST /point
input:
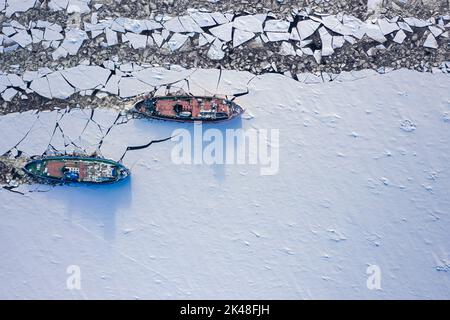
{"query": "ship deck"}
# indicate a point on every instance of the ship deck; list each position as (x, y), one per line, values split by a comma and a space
(54, 168)
(84, 170)
(166, 107)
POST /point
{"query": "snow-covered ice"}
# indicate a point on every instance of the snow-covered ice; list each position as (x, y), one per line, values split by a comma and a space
(306, 28)
(400, 36)
(241, 36)
(363, 180)
(326, 38)
(13, 6)
(215, 51)
(276, 26)
(387, 27)
(248, 23)
(223, 31)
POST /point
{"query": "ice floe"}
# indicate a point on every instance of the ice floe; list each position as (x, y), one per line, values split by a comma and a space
(276, 26)
(71, 6)
(380, 172)
(306, 28)
(416, 22)
(137, 41)
(387, 27)
(22, 38)
(287, 49)
(400, 36)
(73, 40)
(335, 25)
(13, 6)
(172, 32)
(430, 42)
(278, 36)
(215, 51)
(130, 87)
(203, 19)
(248, 23)
(327, 42)
(85, 77)
(131, 79)
(241, 36)
(223, 31)
(373, 31)
(59, 87)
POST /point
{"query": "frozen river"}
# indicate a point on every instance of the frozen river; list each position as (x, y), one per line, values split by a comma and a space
(362, 180)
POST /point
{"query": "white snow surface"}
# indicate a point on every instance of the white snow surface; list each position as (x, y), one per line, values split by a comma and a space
(364, 179)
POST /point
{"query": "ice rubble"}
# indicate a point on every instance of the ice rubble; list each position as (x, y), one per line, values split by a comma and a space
(361, 191)
(173, 32)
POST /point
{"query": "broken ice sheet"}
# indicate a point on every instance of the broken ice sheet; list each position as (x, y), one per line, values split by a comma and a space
(57, 5)
(77, 132)
(220, 18)
(112, 86)
(59, 87)
(14, 124)
(204, 82)
(248, 23)
(326, 39)
(37, 35)
(404, 26)
(78, 6)
(416, 22)
(130, 87)
(333, 23)
(134, 26)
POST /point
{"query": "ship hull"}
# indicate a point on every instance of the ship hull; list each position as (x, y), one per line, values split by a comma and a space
(72, 169)
(188, 109)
